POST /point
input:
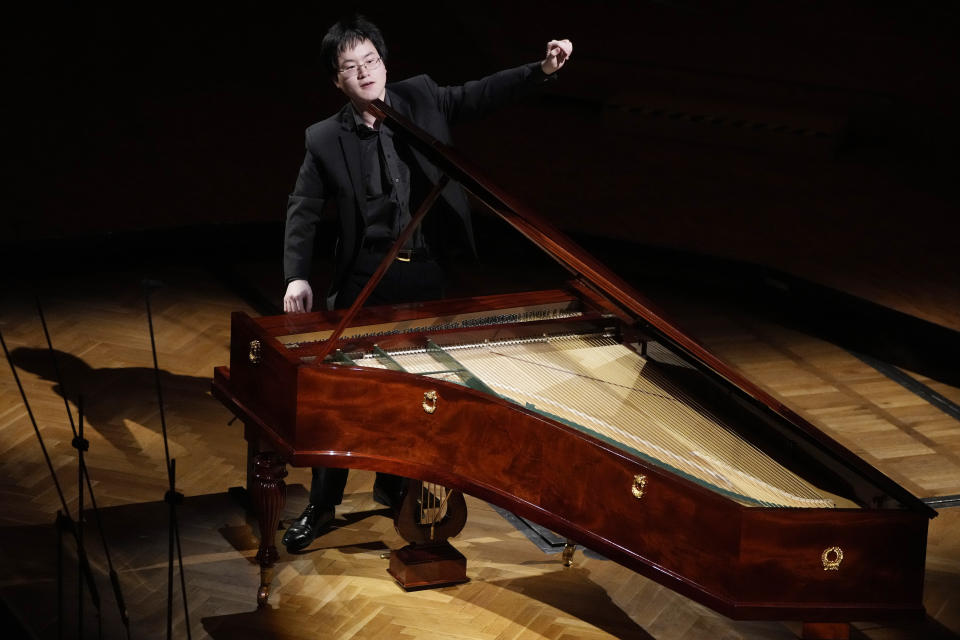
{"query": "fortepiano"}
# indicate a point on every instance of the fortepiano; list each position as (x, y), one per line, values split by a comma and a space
(586, 410)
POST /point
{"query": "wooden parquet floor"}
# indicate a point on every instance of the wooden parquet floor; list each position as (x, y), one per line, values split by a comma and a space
(338, 587)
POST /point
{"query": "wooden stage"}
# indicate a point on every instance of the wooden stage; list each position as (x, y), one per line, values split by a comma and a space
(339, 587)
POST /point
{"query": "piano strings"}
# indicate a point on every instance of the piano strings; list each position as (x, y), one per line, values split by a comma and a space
(433, 504)
(595, 384)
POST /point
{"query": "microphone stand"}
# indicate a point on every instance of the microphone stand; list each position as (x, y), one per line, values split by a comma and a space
(60, 527)
(82, 445)
(86, 574)
(172, 498)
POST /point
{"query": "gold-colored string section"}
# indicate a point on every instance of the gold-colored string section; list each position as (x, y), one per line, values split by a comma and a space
(601, 385)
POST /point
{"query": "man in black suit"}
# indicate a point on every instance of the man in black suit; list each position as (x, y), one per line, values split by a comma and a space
(374, 179)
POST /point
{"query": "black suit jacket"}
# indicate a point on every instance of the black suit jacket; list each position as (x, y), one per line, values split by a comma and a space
(331, 167)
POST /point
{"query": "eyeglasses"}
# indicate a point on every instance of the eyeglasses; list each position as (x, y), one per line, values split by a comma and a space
(353, 69)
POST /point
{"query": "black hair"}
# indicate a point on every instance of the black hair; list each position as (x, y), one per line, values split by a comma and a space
(348, 33)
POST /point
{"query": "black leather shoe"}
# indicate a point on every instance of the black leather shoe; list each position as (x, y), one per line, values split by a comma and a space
(385, 497)
(304, 529)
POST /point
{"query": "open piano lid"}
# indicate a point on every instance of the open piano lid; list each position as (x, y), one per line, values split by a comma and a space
(873, 489)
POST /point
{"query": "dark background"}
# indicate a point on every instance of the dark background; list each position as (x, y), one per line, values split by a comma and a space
(816, 139)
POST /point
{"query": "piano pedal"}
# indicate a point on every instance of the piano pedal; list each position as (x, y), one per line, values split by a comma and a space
(568, 550)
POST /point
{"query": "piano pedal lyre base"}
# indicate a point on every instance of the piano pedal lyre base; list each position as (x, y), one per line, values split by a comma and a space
(426, 566)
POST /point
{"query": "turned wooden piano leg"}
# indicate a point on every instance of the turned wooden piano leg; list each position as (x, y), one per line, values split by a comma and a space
(826, 631)
(268, 493)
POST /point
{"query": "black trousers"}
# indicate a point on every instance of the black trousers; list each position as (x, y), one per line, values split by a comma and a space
(413, 281)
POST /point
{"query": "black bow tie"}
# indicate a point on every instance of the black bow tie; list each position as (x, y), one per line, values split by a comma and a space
(366, 133)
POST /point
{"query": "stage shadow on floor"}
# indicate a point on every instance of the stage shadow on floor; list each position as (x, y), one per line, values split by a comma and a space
(218, 541)
(112, 396)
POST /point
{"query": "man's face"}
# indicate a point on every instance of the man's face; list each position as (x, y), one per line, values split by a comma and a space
(368, 78)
